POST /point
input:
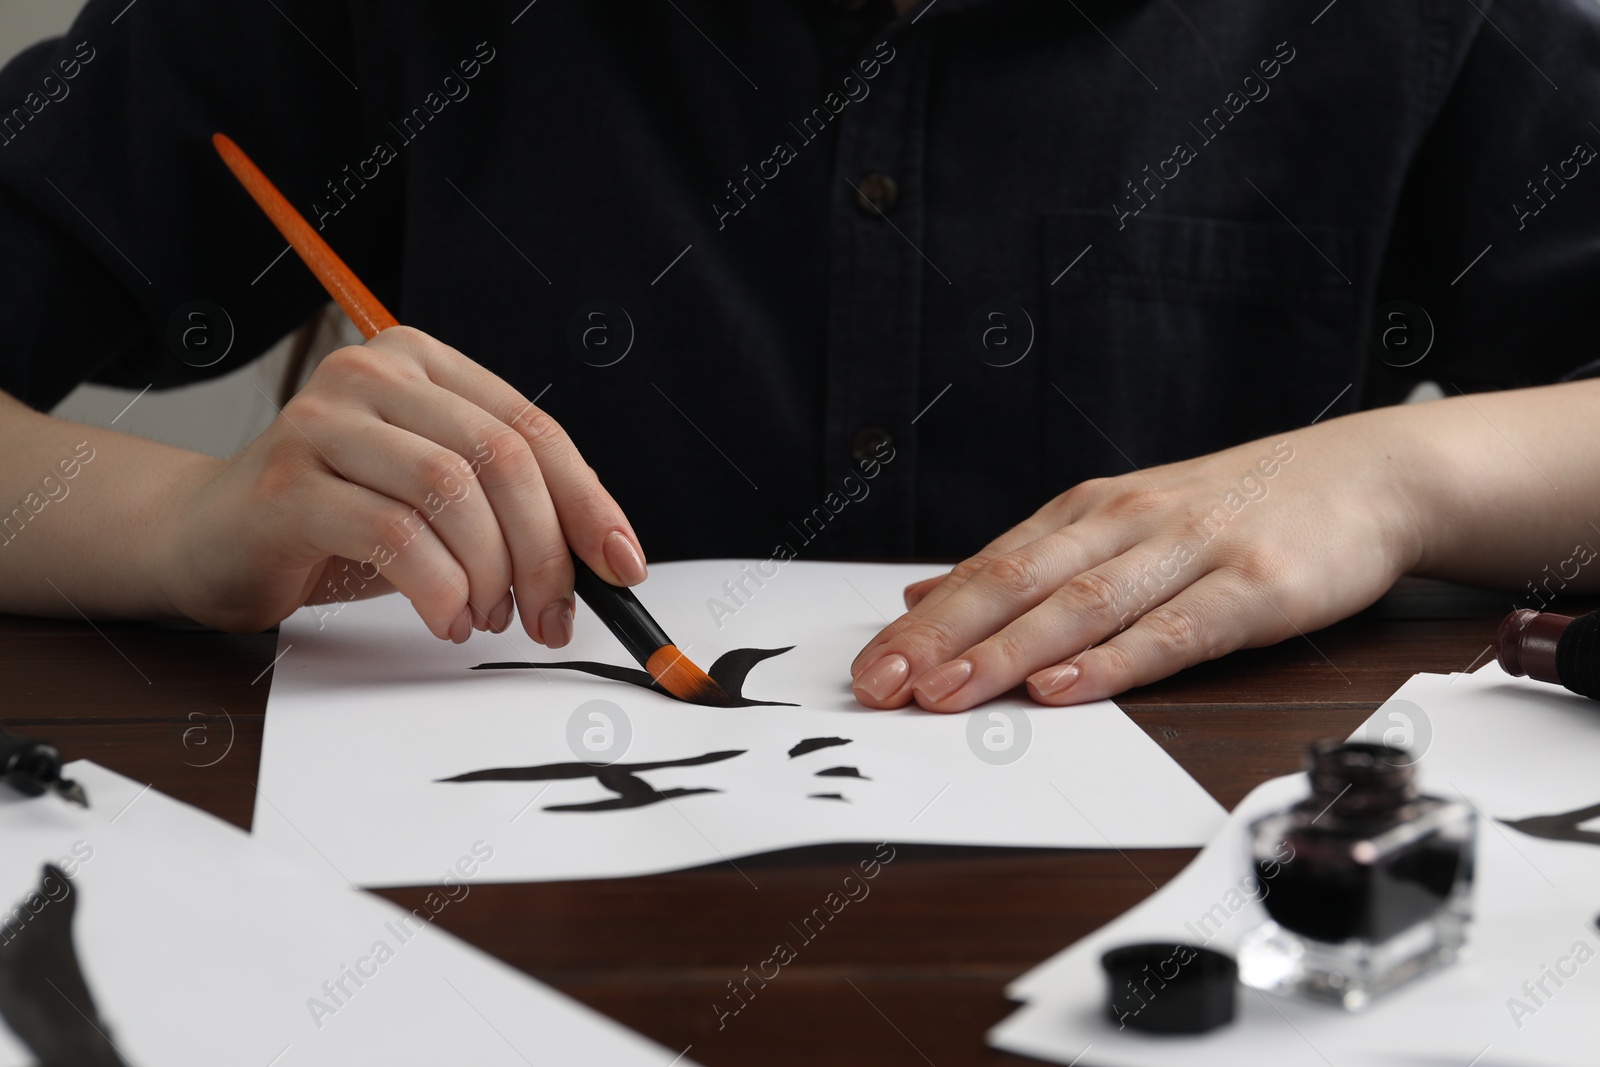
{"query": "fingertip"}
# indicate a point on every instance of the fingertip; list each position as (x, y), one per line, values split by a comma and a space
(461, 628)
(555, 623)
(1061, 685)
(947, 685)
(867, 700)
(530, 625)
(884, 684)
(1038, 696)
(624, 558)
(868, 653)
(500, 614)
(952, 705)
(1065, 700)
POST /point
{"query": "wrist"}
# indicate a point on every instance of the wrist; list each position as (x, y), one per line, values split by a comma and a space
(175, 542)
(1415, 482)
(1397, 469)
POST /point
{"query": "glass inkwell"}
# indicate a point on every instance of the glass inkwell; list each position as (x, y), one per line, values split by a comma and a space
(1378, 887)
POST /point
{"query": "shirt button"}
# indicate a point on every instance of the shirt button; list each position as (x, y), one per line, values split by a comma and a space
(877, 194)
(869, 443)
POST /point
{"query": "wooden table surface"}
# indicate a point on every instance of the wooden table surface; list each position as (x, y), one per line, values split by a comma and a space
(911, 975)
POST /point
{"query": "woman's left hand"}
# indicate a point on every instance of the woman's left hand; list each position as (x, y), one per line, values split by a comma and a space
(1121, 581)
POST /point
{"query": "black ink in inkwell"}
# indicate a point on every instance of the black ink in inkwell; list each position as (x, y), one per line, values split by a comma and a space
(1378, 889)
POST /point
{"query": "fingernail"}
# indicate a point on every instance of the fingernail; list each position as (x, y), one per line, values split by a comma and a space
(867, 655)
(461, 629)
(1048, 683)
(884, 678)
(624, 559)
(943, 680)
(555, 623)
(500, 615)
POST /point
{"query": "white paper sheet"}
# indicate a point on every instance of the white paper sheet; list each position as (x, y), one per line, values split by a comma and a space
(368, 711)
(1515, 748)
(203, 947)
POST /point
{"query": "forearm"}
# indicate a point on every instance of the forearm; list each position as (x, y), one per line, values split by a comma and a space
(1506, 485)
(85, 516)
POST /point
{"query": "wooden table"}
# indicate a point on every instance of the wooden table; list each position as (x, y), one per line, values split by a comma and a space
(912, 974)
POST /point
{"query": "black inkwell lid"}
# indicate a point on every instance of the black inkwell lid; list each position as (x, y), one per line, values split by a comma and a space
(1170, 988)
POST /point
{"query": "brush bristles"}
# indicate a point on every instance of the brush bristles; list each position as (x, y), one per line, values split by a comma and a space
(678, 675)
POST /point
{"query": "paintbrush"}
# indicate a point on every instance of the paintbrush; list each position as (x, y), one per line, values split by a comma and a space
(618, 608)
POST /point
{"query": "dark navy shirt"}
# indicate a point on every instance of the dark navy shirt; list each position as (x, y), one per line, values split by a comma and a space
(991, 248)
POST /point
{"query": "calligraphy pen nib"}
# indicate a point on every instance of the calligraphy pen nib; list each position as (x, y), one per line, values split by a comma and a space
(71, 792)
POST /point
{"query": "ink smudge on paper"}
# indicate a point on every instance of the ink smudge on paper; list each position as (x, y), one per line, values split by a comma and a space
(44, 998)
(1567, 826)
(621, 778)
(814, 744)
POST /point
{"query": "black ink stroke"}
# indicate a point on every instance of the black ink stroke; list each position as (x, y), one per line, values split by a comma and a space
(43, 996)
(828, 796)
(813, 744)
(621, 778)
(842, 772)
(729, 672)
(1562, 827)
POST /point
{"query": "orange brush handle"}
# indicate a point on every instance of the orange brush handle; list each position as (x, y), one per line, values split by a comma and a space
(364, 309)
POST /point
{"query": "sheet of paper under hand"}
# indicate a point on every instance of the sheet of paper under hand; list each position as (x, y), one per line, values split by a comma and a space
(385, 748)
(1523, 753)
(146, 933)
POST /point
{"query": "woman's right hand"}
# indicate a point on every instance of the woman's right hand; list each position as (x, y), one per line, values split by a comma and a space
(402, 465)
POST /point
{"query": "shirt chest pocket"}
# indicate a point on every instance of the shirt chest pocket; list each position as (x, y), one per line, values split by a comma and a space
(1177, 336)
